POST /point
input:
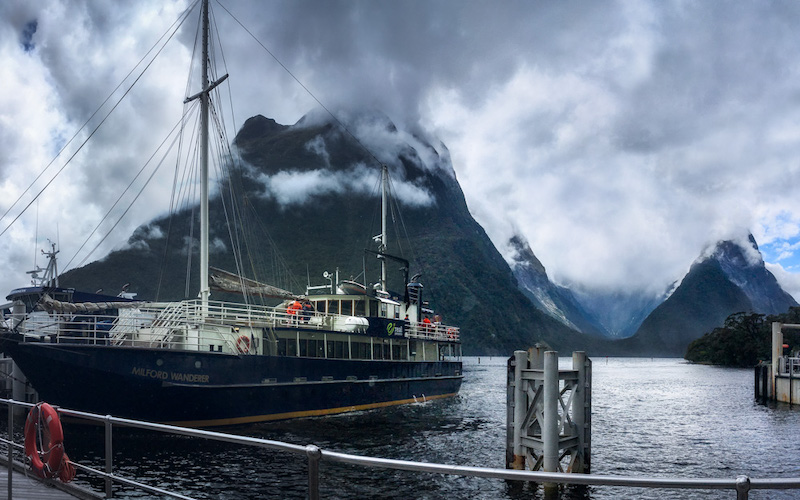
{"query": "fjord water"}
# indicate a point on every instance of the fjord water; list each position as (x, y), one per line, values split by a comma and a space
(651, 417)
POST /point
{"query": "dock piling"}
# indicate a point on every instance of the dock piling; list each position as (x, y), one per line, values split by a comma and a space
(549, 412)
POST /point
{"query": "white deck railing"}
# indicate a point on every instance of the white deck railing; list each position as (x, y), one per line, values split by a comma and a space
(171, 324)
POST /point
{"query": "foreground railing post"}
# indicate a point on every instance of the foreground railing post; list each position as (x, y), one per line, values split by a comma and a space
(314, 454)
(109, 458)
(742, 488)
(10, 446)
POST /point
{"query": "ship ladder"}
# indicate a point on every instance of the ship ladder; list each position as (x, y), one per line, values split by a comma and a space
(165, 326)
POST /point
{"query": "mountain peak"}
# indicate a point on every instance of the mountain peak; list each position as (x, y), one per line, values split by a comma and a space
(742, 253)
(523, 255)
(259, 126)
(742, 263)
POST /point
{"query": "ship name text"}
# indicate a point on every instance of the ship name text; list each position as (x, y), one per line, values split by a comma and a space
(173, 376)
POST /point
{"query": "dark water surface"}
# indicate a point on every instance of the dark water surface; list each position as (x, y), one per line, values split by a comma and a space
(651, 417)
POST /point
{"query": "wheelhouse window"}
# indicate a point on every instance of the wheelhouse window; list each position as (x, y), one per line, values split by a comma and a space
(333, 307)
(347, 307)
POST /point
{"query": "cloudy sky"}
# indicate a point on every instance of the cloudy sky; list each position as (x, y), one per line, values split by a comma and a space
(620, 138)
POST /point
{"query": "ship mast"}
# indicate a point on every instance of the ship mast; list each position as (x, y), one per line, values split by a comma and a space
(204, 289)
(204, 96)
(384, 212)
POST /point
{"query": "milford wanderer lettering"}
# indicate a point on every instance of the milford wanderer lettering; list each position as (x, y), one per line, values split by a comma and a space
(174, 376)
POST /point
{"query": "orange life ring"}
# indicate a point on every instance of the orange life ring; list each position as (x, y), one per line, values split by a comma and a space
(243, 344)
(44, 418)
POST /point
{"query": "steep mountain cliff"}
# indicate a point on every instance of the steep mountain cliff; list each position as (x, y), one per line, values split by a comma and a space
(556, 301)
(312, 203)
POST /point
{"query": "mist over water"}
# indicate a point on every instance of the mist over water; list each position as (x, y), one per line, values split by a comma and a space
(651, 417)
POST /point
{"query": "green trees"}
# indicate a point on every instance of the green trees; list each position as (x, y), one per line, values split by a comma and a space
(743, 340)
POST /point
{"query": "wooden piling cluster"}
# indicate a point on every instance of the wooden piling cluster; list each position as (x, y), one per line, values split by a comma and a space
(549, 412)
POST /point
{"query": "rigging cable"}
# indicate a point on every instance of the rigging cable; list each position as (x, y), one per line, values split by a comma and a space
(130, 205)
(179, 22)
(177, 184)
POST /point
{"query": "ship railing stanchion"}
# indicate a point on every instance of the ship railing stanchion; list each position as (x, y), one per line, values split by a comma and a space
(314, 455)
(109, 458)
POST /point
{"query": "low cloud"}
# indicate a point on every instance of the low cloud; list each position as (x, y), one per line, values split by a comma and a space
(291, 188)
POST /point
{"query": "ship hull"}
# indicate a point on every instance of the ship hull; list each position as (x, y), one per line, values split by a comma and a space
(202, 389)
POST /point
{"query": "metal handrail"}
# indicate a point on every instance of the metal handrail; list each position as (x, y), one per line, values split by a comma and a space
(741, 484)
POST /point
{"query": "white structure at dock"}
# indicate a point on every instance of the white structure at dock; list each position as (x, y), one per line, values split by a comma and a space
(780, 380)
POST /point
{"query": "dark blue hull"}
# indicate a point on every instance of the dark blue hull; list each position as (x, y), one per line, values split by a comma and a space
(198, 388)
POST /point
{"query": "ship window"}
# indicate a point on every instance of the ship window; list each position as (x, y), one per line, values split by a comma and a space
(383, 310)
(347, 307)
(380, 349)
(319, 305)
(312, 348)
(360, 308)
(360, 350)
(396, 351)
(337, 349)
(320, 344)
(287, 347)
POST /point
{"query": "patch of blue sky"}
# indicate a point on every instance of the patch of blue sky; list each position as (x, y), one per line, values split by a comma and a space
(785, 251)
